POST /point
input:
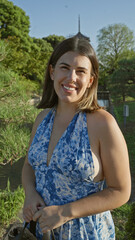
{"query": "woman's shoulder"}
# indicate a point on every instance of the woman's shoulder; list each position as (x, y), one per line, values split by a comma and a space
(101, 120)
(41, 116)
(39, 119)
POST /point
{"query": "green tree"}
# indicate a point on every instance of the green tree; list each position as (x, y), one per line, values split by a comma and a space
(39, 56)
(25, 55)
(123, 79)
(13, 21)
(17, 56)
(54, 40)
(28, 60)
(14, 30)
(114, 43)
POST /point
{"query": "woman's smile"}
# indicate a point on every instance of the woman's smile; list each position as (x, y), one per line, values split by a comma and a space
(68, 88)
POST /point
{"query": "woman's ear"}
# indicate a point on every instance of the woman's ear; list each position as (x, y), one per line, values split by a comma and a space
(90, 82)
(51, 72)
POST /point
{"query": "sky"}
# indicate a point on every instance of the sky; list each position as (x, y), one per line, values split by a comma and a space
(60, 17)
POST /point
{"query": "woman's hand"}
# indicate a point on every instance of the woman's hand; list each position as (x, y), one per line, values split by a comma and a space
(31, 205)
(51, 217)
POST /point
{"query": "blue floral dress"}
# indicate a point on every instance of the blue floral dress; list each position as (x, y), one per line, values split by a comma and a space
(68, 177)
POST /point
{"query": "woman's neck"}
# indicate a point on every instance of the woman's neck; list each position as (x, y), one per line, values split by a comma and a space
(66, 110)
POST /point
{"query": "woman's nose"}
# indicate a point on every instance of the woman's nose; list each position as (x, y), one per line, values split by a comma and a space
(72, 75)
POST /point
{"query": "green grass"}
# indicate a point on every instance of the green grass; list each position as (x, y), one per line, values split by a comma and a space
(10, 204)
(120, 215)
(17, 116)
(129, 129)
(120, 219)
(13, 142)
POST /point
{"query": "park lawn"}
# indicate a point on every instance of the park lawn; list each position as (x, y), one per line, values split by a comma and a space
(120, 215)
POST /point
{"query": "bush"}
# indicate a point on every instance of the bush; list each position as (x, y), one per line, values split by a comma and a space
(17, 116)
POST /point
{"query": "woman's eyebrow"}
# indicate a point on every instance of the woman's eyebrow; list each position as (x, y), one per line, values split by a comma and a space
(63, 63)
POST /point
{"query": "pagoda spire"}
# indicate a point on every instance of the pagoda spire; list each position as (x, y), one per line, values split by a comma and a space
(79, 24)
(79, 34)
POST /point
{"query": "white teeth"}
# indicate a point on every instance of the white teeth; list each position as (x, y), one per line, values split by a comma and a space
(69, 88)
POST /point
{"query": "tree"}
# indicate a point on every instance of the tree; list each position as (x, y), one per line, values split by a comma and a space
(39, 56)
(123, 79)
(25, 55)
(13, 21)
(114, 43)
(54, 40)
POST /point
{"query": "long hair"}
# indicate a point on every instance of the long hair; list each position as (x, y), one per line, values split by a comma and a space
(88, 102)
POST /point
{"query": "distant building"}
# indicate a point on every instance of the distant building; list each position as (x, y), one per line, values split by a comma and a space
(79, 34)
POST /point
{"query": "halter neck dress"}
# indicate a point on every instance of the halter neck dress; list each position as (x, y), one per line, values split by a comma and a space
(68, 177)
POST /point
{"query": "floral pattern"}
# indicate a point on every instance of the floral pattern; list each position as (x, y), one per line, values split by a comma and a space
(69, 177)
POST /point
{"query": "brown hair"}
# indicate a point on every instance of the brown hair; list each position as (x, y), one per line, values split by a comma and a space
(82, 46)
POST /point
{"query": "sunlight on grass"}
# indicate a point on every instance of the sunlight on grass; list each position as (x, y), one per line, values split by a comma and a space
(10, 204)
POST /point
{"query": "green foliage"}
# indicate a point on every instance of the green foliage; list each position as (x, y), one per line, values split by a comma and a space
(115, 42)
(13, 21)
(3, 50)
(130, 225)
(123, 79)
(17, 115)
(10, 204)
(27, 58)
(24, 55)
(54, 40)
(38, 59)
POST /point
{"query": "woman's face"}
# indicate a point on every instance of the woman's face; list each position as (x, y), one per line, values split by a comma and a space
(71, 76)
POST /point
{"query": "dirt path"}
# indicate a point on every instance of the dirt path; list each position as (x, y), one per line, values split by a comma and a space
(11, 172)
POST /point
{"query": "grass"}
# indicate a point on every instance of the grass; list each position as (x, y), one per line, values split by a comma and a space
(10, 204)
(120, 219)
(120, 215)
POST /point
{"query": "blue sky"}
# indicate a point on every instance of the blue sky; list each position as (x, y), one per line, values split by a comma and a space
(60, 17)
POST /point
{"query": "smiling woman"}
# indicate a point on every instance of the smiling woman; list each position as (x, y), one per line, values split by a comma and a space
(75, 146)
(85, 51)
(72, 77)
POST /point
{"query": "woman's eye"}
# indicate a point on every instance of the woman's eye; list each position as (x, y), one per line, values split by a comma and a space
(64, 67)
(81, 71)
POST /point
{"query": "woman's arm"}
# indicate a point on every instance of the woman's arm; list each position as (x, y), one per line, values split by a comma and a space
(32, 199)
(115, 162)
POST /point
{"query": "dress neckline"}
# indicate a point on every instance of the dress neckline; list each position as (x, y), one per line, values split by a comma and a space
(60, 139)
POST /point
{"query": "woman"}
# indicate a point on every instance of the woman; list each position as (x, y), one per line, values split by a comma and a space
(75, 145)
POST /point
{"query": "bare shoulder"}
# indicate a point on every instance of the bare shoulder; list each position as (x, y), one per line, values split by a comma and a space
(41, 116)
(101, 119)
(104, 126)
